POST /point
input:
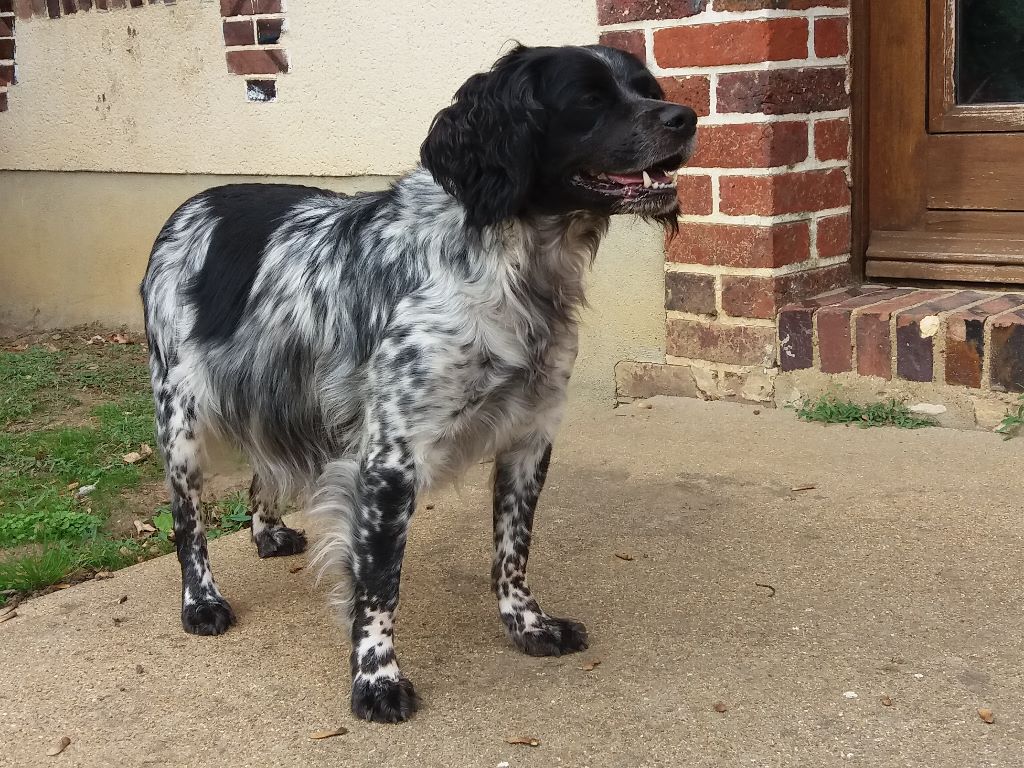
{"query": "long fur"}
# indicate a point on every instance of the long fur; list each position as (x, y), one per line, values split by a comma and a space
(362, 349)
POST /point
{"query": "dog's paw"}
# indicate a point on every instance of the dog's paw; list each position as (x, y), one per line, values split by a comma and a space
(279, 541)
(384, 700)
(210, 616)
(553, 637)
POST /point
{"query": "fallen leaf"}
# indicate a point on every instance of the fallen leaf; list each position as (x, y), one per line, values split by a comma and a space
(50, 347)
(145, 451)
(623, 556)
(95, 340)
(339, 731)
(132, 458)
(296, 568)
(120, 338)
(72, 486)
(59, 747)
(60, 586)
(986, 715)
(720, 707)
(527, 741)
(798, 488)
(20, 347)
(588, 666)
(122, 599)
(103, 575)
(886, 701)
(56, 337)
(8, 615)
(144, 529)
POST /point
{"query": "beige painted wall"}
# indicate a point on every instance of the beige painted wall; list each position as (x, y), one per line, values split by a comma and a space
(158, 106)
(73, 248)
(366, 79)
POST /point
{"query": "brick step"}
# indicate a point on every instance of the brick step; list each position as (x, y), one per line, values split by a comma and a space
(967, 338)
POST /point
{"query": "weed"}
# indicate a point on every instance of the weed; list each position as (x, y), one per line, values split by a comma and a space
(1013, 421)
(829, 409)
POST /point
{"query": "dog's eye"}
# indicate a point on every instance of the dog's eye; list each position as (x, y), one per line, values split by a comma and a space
(592, 101)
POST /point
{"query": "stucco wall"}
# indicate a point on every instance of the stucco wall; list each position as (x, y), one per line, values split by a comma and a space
(156, 106)
(73, 248)
(366, 78)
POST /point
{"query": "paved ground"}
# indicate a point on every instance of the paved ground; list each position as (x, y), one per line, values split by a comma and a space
(898, 575)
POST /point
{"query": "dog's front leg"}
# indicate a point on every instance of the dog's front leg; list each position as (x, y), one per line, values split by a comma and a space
(384, 506)
(519, 477)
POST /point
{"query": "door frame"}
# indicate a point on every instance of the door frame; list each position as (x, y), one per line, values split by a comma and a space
(890, 161)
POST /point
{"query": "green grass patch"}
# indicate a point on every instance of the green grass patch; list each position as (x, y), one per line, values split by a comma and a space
(68, 415)
(829, 409)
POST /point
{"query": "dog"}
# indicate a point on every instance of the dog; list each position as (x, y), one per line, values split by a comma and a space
(360, 350)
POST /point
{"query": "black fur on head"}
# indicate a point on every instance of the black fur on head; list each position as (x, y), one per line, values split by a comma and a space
(559, 130)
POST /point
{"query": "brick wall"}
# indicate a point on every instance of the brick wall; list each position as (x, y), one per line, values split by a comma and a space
(766, 199)
(252, 32)
(7, 75)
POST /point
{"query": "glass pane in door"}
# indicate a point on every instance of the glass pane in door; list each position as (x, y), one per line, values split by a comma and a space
(990, 51)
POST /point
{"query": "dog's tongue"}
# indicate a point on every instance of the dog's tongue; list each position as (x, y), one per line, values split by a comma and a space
(658, 177)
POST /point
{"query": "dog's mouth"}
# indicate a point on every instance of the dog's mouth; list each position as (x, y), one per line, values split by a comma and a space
(658, 180)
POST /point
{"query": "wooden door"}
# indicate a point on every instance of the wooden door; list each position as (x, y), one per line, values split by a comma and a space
(944, 148)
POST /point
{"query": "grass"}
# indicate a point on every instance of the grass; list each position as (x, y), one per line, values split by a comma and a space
(829, 409)
(68, 415)
(1010, 426)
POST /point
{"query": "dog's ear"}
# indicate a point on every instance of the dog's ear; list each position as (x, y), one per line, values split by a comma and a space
(483, 149)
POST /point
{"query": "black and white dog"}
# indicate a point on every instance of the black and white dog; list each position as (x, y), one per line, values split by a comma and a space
(362, 349)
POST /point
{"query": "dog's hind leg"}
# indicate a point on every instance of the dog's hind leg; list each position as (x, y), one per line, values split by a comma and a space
(519, 476)
(271, 536)
(203, 610)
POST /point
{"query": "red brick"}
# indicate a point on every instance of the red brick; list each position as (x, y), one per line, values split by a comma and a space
(693, 91)
(694, 194)
(835, 342)
(874, 347)
(733, 42)
(777, 5)
(834, 235)
(965, 339)
(831, 37)
(783, 91)
(7, 74)
(257, 62)
(239, 33)
(1006, 372)
(731, 344)
(762, 297)
(754, 145)
(249, 7)
(740, 245)
(796, 324)
(784, 193)
(23, 8)
(3, 101)
(628, 40)
(915, 352)
(7, 25)
(7, 48)
(620, 11)
(268, 31)
(688, 292)
(832, 139)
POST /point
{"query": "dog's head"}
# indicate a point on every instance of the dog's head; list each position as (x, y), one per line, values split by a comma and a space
(555, 130)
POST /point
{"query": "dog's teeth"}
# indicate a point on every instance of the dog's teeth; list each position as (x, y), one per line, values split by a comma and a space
(647, 180)
(602, 176)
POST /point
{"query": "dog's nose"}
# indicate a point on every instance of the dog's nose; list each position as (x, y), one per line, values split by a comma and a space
(682, 120)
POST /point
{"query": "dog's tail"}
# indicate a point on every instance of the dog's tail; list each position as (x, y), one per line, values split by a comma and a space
(331, 511)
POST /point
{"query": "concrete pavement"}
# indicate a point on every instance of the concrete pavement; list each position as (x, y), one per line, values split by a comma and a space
(898, 574)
